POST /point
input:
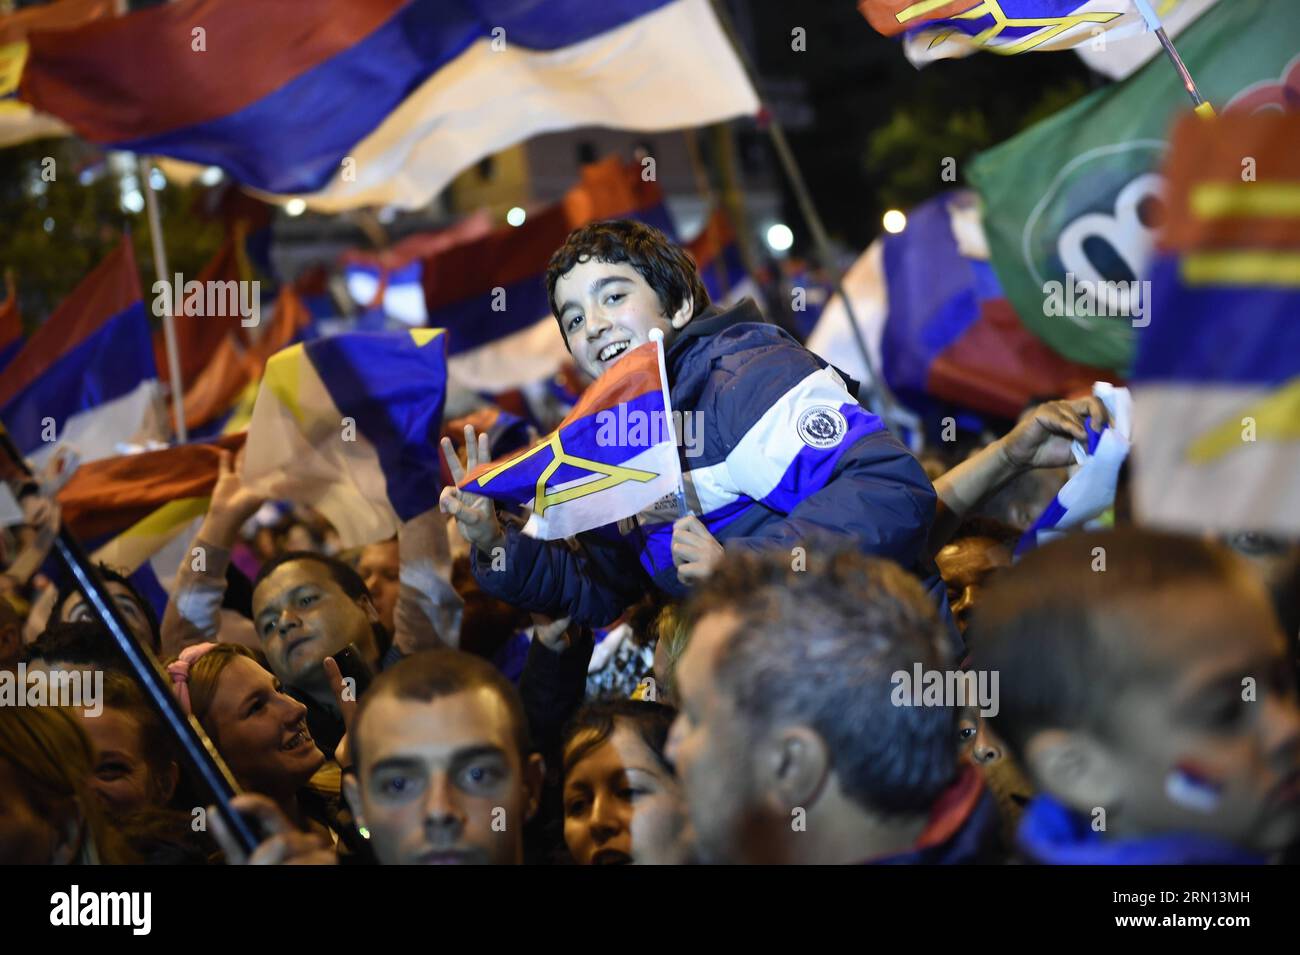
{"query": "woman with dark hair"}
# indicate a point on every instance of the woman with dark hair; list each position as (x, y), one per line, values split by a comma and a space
(622, 802)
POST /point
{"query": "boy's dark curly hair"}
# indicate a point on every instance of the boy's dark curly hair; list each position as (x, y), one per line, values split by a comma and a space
(666, 266)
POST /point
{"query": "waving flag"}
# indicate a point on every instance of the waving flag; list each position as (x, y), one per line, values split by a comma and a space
(384, 102)
(938, 323)
(612, 457)
(11, 328)
(214, 401)
(349, 425)
(87, 375)
(18, 121)
(138, 513)
(940, 29)
(390, 280)
(1077, 194)
(1217, 377)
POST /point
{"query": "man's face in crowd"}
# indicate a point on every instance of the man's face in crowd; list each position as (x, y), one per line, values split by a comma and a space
(622, 806)
(380, 568)
(442, 782)
(607, 309)
(965, 566)
(76, 608)
(122, 776)
(302, 616)
(261, 731)
(710, 747)
(1211, 739)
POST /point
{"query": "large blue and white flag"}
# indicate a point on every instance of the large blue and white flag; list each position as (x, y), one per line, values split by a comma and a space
(349, 104)
(349, 425)
(86, 377)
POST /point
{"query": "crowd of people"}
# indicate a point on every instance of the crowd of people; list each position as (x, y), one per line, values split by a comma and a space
(785, 675)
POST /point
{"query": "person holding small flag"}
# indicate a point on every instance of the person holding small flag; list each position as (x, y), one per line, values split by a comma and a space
(782, 455)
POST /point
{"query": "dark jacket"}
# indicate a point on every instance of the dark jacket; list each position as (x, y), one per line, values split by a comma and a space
(963, 828)
(786, 456)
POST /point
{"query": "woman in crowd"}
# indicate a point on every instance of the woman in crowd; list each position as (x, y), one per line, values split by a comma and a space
(622, 803)
(49, 814)
(261, 733)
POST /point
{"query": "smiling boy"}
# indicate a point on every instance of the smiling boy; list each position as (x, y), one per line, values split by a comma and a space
(787, 457)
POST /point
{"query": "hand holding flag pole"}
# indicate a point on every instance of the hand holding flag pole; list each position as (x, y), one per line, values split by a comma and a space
(1203, 107)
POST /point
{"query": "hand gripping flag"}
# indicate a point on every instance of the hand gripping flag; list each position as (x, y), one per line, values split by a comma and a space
(349, 425)
(614, 456)
(1091, 490)
(943, 29)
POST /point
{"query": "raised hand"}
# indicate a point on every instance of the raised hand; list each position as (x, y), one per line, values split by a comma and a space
(475, 515)
(285, 845)
(232, 503)
(1043, 437)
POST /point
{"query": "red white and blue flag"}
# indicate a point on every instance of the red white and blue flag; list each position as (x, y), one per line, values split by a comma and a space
(614, 456)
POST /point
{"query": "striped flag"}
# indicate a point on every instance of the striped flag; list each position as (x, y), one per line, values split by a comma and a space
(349, 104)
(87, 376)
(139, 513)
(1217, 376)
(937, 321)
(18, 121)
(349, 425)
(942, 29)
(613, 457)
(11, 328)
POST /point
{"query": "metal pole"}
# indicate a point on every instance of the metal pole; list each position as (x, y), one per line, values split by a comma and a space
(169, 322)
(879, 399)
(196, 749)
(1152, 19)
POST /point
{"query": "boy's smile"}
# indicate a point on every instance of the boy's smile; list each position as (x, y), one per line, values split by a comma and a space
(606, 309)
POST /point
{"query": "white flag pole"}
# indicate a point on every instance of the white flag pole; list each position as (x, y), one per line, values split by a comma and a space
(657, 336)
(169, 322)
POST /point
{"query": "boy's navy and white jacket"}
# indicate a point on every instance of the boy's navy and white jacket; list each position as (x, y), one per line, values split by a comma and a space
(784, 457)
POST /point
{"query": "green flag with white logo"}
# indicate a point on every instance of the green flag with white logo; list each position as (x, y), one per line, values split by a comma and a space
(1074, 201)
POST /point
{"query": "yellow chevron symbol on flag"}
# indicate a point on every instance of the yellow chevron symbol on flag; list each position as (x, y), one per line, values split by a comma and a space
(1051, 26)
(615, 475)
(1277, 418)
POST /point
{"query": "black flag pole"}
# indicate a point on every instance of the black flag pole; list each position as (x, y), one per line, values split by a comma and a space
(196, 750)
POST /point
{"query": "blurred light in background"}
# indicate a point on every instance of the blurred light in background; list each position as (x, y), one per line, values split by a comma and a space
(49, 225)
(133, 201)
(516, 216)
(894, 221)
(157, 181)
(779, 237)
(295, 207)
(211, 175)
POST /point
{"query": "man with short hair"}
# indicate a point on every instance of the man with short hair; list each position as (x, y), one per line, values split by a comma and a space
(446, 773)
(790, 743)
